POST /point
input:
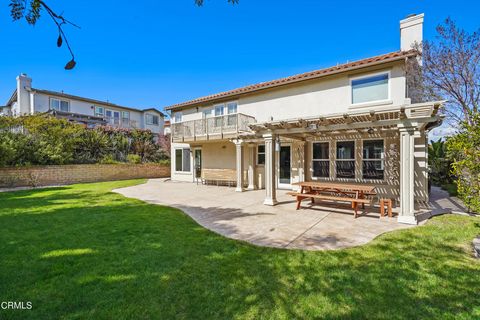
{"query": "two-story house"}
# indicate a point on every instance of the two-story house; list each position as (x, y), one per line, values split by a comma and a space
(357, 122)
(91, 112)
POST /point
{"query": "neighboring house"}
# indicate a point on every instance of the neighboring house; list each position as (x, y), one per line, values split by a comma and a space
(166, 127)
(91, 112)
(357, 122)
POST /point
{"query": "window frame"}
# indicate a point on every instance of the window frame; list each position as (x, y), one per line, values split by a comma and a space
(344, 160)
(59, 104)
(97, 114)
(369, 75)
(258, 153)
(147, 115)
(325, 160)
(228, 109)
(381, 160)
(176, 115)
(187, 151)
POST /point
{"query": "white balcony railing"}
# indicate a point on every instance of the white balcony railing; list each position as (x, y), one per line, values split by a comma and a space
(212, 128)
(121, 123)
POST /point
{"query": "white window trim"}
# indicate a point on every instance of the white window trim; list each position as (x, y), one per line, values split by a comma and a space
(384, 160)
(95, 111)
(59, 99)
(153, 115)
(354, 159)
(175, 117)
(223, 105)
(375, 102)
(189, 154)
(329, 159)
(227, 103)
(257, 153)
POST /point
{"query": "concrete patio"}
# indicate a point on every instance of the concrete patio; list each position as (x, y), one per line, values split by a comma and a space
(243, 216)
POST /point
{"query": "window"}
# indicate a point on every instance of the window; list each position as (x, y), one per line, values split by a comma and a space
(178, 117)
(231, 111)
(345, 159)
(125, 117)
(207, 113)
(373, 159)
(321, 160)
(61, 105)
(218, 114)
(152, 120)
(368, 89)
(99, 111)
(261, 154)
(182, 160)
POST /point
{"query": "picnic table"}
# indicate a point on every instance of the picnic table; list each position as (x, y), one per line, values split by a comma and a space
(356, 194)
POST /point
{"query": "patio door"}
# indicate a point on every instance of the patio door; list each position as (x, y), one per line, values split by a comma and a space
(284, 167)
(197, 163)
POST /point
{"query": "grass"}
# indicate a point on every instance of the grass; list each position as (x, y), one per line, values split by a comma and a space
(83, 252)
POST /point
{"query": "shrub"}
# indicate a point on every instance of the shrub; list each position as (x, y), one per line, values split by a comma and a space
(134, 158)
(464, 148)
(43, 140)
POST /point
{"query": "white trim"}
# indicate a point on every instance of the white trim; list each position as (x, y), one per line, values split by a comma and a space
(284, 185)
(384, 159)
(312, 159)
(257, 153)
(374, 102)
(175, 162)
(60, 102)
(354, 159)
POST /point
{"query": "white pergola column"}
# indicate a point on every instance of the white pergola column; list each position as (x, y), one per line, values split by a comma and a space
(251, 167)
(239, 164)
(270, 185)
(407, 175)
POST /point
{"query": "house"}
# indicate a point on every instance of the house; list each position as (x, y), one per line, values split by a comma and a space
(166, 127)
(358, 122)
(91, 112)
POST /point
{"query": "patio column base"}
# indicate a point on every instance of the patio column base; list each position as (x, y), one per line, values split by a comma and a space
(407, 220)
(270, 202)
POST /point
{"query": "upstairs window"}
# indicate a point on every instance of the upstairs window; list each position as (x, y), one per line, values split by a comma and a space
(370, 88)
(231, 111)
(345, 162)
(178, 117)
(60, 105)
(99, 111)
(218, 114)
(261, 154)
(151, 119)
(373, 165)
(125, 117)
(231, 107)
(321, 160)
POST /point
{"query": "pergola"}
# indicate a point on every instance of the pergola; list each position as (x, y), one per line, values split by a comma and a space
(408, 120)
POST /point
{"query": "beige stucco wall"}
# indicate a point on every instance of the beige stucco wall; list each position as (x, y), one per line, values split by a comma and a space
(331, 94)
(222, 155)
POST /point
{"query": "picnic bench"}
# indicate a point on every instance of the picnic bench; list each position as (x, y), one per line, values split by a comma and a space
(332, 191)
(219, 176)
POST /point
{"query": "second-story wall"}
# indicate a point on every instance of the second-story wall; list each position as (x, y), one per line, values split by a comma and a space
(328, 95)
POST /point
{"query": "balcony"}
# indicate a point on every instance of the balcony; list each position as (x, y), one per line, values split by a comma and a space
(214, 128)
(121, 123)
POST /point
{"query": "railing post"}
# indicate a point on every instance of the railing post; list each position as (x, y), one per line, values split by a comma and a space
(194, 131)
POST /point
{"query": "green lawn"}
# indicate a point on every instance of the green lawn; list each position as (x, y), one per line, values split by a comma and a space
(82, 252)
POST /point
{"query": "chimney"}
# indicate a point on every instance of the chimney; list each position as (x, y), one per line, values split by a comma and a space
(24, 84)
(411, 31)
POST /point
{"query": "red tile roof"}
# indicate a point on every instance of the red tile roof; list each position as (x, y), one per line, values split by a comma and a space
(384, 58)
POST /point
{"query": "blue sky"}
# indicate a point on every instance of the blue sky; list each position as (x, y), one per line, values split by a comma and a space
(156, 53)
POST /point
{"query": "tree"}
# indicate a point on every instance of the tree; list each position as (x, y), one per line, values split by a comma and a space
(451, 71)
(438, 162)
(31, 10)
(464, 149)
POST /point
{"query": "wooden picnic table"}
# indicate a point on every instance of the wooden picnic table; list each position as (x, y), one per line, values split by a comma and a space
(334, 191)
